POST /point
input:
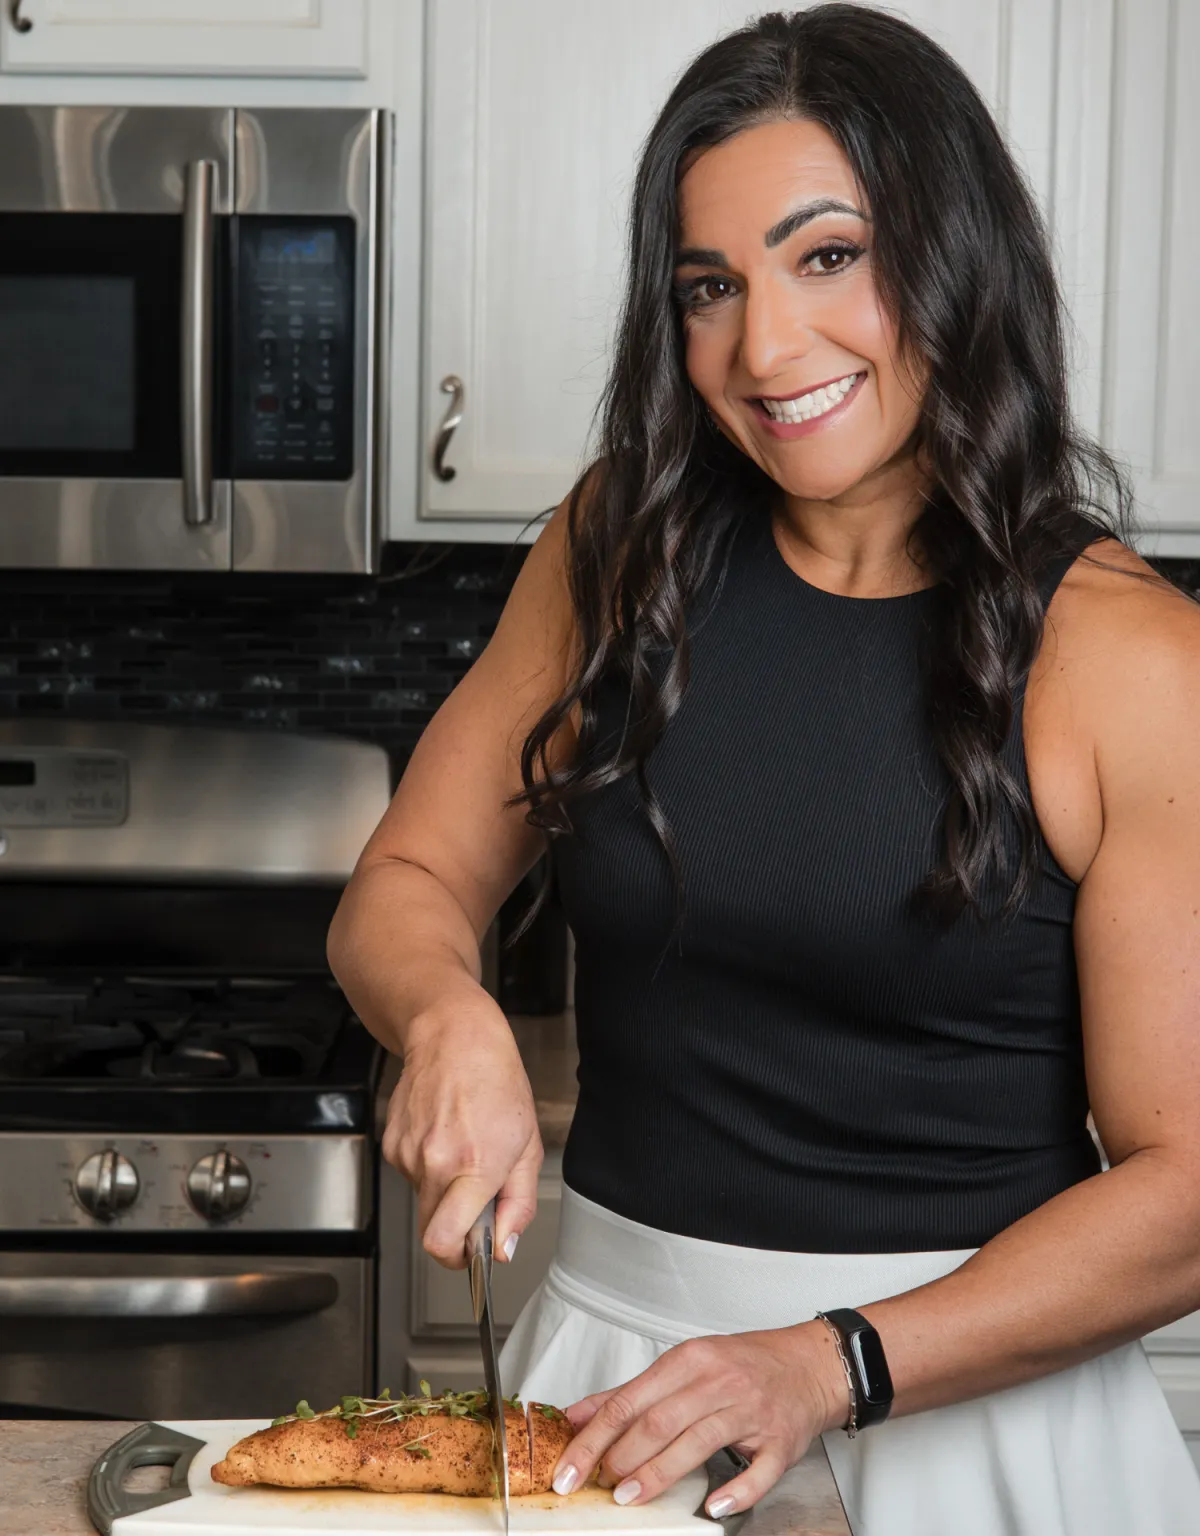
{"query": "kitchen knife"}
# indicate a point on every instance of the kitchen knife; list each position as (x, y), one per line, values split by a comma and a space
(481, 1241)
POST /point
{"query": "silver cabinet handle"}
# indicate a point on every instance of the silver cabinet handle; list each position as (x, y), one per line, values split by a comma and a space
(21, 23)
(249, 1295)
(197, 342)
(453, 386)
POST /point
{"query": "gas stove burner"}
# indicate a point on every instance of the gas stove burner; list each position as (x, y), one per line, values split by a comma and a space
(138, 1029)
(189, 1060)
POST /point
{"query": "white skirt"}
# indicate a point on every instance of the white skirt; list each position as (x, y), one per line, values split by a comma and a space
(1090, 1451)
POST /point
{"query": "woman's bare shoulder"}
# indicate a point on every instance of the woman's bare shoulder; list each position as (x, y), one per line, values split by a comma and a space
(1113, 614)
(1119, 658)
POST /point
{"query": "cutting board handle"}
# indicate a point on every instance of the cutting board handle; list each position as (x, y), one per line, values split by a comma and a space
(149, 1445)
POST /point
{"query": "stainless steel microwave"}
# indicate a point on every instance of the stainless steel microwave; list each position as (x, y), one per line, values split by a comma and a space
(192, 305)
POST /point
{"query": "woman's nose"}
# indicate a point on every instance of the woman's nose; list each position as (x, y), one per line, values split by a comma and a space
(774, 331)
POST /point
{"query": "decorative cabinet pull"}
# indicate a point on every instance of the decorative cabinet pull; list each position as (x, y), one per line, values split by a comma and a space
(453, 386)
(21, 23)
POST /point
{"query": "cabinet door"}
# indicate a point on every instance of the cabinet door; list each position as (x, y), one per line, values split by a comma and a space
(1151, 336)
(536, 113)
(185, 37)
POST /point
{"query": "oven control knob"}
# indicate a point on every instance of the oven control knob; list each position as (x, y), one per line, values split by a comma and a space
(106, 1185)
(219, 1186)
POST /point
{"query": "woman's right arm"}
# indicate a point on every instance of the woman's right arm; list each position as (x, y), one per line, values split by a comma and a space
(405, 940)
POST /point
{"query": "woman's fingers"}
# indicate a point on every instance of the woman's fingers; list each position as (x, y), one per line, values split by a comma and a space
(767, 1467)
(456, 1213)
(584, 1411)
(743, 1390)
(637, 1473)
(604, 1418)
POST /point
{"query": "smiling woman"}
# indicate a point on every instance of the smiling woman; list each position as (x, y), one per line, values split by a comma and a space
(785, 334)
(870, 757)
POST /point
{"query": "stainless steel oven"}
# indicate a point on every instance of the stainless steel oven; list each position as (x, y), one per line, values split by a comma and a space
(170, 1336)
(192, 305)
(188, 1162)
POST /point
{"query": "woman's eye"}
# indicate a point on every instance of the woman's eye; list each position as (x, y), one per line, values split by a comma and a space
(830, 259)
(703, 292)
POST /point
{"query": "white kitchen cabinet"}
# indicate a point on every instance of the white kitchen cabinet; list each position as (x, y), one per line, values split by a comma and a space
(536, 110)
(185, 37)
(1131, 125)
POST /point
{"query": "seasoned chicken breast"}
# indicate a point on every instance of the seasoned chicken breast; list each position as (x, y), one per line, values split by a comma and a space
(431, 1450)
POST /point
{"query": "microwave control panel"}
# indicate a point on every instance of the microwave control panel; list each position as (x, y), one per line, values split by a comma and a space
(293, 383)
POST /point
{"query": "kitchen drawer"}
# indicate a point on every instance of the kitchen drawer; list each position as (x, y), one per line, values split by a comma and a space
(441, 1299)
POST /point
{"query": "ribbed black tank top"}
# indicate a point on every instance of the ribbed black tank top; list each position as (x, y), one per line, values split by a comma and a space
(810, 1064)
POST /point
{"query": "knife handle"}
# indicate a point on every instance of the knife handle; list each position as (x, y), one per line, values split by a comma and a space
(480, 1241)
(482, 1235)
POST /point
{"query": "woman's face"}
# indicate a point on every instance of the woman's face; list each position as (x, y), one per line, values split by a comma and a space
(786, 339)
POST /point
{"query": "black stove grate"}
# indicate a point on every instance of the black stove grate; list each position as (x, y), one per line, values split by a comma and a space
(157, 1031)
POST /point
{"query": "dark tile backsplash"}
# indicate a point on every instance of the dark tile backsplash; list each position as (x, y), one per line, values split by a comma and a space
(357, 656)
(370, 657)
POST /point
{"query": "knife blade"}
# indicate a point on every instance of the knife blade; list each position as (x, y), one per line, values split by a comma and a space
(481, 1241)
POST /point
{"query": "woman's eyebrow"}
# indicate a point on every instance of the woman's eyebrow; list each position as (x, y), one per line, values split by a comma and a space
(706, 256)
(795, 220)
(700, 256)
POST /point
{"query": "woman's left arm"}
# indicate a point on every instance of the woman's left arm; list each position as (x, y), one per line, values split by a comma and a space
(1098, 1265)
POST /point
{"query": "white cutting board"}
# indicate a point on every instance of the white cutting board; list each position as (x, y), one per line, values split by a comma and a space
(214, 1510)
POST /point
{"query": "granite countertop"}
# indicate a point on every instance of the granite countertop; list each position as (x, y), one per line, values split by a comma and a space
(547, 1046)
(44, 1467)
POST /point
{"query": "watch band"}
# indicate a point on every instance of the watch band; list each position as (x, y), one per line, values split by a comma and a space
(861, 1352)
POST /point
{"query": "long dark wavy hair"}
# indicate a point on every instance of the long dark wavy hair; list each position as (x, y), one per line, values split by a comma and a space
(961, 262)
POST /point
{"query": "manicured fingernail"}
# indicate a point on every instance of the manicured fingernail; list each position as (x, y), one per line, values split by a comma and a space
(626, 1492)
(510, 1244)
(565, 1479)
(719, 1508)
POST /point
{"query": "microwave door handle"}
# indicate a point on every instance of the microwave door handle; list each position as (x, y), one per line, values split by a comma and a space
(197, 342)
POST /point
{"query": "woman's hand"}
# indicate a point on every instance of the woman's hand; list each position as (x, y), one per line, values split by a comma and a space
(462, 1126)
(767, 1394)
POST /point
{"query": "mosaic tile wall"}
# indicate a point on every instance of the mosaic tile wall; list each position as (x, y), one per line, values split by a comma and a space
(364, 657)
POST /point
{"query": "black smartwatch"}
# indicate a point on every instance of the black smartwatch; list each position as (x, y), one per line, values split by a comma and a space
(865, 1364)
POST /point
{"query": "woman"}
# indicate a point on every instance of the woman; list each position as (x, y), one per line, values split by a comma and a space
(870, 757)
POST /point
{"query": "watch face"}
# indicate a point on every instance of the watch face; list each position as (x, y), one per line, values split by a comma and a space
(872, 1365)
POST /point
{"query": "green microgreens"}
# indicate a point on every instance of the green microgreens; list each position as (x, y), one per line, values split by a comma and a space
(385, 1409)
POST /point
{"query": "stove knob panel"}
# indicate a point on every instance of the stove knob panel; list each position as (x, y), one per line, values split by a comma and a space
(219, 1186)
(106, 1185)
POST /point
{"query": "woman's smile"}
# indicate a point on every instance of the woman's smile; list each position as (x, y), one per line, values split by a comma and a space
(809, 411)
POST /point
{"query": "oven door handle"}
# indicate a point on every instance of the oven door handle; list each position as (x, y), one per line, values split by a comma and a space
(196, 342)
(283, 1293)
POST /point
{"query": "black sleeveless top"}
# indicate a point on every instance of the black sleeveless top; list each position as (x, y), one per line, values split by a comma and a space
(809, 1064)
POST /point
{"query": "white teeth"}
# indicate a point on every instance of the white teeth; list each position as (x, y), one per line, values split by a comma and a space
(816, 403)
